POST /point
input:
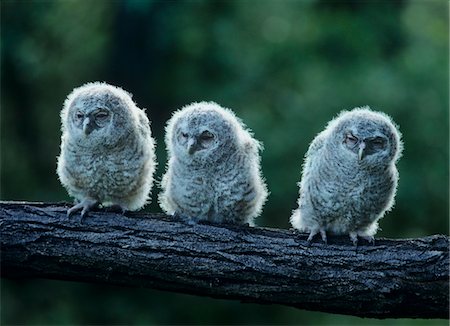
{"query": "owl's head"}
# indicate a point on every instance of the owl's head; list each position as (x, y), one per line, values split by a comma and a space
(203, 132)
(366, 136)
(97, 113)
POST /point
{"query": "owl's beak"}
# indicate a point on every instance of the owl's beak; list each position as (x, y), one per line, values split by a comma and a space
(192, 146)
(362, 147)
(88, 126)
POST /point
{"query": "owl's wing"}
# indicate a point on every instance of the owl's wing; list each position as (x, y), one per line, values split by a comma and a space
(252, 147)
(316, 145)
(314, 151)
(143, 124)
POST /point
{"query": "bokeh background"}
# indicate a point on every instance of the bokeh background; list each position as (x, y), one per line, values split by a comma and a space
(285, 67)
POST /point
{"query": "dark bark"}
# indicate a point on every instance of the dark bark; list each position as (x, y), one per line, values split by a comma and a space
(391, 279)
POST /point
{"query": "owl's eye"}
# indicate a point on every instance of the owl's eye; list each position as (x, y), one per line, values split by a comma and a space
(206, 136)
(351, 140)
(102, 115)
(78, 118)
(378, 143)
(182, 137)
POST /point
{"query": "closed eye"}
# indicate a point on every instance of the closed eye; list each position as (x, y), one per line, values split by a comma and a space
(102, 115)
(79, 115)
(206, 136)
(351, 140)
(182, 137)
(378, 142)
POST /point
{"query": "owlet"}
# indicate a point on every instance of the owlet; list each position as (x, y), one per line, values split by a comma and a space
(349, 176)
(107, 151)
(213, 172)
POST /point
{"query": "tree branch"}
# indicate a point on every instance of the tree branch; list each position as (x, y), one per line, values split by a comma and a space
(392, 279)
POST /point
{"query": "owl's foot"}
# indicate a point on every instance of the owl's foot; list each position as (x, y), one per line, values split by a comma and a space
(354, 238)
(116, 208)
(369, 238)
(85, 206)
(185, 218)
(314, 232)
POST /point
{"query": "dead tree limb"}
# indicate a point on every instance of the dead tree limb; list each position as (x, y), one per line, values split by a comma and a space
(392, 279)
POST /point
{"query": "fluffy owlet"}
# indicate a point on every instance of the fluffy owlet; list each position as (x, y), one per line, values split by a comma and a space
(107, 152)
(349, 176)
(213, 171)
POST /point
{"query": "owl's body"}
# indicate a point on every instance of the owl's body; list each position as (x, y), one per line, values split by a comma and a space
(107, 152)
(349, 176)
(213, 171)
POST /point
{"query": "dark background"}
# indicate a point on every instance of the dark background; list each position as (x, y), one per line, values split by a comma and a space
(285, 67)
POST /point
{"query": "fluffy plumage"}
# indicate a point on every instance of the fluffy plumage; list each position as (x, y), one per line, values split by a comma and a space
(213, 172)
(349, 176)
(107, 152)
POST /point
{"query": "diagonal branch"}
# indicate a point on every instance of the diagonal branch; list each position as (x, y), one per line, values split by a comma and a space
(392, 279)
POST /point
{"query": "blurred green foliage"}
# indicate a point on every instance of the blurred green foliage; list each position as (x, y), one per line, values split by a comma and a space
(285, 67)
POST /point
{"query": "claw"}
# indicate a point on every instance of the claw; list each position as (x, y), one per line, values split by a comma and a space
(185, 218)
(74, 209)
(323, 235)
(369, 238)
(354, 238)
(311, 236)
(117, 208)
(313, 233)
(85, 206)
(84, 212)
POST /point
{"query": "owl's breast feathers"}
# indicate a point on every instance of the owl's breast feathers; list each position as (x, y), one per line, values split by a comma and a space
(228, 191)
(338, 190)
(107, 174)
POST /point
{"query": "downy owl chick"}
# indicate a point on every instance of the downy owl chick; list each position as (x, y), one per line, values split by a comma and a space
(107, 152)
(349, 176)
(213, 171)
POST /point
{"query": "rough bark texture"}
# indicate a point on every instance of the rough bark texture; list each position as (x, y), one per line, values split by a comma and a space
(393, 278)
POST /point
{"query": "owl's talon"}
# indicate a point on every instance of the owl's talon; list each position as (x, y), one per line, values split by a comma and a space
(85, 206)
(308, 243)
(354, 238)
(84, 213)
(185, 218)
(190, 221)
(70, 212)
(74, 209)
(311, 236)
(370, 239)
(116, 208)
(313, 233)
(323, 235)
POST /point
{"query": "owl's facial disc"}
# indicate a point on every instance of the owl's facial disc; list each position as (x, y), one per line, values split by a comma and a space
(200, 142)
(196, 142)
(365, 146)
(93, 120)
